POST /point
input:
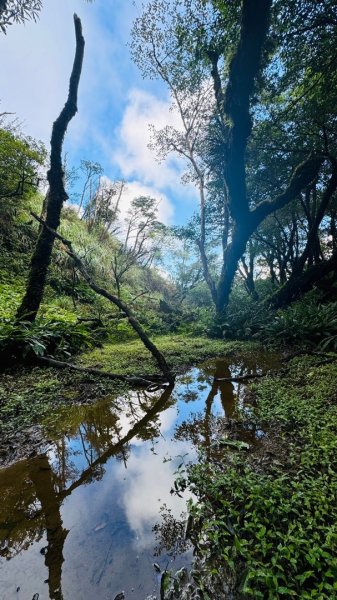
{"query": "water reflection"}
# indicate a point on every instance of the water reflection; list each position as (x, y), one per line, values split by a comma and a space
(91, 541)
(35, 489)
(223, 398)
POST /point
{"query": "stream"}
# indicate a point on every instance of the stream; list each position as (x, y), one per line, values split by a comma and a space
(76, 522)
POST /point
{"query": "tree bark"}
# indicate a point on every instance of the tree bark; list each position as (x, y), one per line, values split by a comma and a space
(296, 287)
(56, 196)
(157, 355)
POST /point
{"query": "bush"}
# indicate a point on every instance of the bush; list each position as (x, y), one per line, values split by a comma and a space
(56, 337)
(307, 323)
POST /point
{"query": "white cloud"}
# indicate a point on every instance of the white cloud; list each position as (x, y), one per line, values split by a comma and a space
(133, 156)
(36, 64)
(134, 189)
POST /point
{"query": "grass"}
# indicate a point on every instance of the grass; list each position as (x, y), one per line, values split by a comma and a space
(27, 395)
(132, 358)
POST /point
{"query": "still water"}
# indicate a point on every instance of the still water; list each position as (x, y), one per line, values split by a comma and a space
(76, 523)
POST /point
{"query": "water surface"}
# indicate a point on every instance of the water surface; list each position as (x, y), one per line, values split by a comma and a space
(76, 523)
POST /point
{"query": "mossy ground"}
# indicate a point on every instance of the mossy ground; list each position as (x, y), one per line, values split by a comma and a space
(270, 516)
(132, 358)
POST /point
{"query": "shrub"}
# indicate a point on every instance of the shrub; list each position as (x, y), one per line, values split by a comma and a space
(57, 337)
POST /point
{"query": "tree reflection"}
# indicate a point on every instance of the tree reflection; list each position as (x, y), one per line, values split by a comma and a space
(33, 491)
(202, 429)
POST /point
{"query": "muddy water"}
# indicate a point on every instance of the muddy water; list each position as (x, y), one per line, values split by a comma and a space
(76, 522)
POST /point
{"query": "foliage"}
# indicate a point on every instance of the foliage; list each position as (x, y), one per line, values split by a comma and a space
(57, 337)
(268, 527)
(306, 322)
(20, 160)
(18, 11)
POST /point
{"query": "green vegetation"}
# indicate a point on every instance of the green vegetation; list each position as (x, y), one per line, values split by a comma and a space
(180, 351)
(266, 521)
(307, 323)
(85, 280)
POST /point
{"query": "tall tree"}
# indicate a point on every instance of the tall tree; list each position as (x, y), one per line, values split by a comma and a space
(56, 195)
(261, 82)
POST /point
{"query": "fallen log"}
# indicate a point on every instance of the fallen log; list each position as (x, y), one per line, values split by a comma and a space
(138, 380)
(239, 378)
(135, 324)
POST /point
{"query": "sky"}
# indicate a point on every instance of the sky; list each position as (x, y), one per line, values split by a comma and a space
(115, 105)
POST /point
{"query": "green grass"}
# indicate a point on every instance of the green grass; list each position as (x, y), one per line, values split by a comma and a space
(180, 352)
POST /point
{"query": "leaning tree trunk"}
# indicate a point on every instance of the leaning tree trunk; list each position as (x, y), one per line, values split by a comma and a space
(310, 278)
(135, 324)
(56, 196)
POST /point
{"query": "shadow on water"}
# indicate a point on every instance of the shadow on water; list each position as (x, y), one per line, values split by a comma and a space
(98, 537)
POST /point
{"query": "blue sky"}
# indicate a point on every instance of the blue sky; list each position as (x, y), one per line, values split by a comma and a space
(115, 104)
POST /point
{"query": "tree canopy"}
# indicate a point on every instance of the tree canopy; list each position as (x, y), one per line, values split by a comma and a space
(251, 83)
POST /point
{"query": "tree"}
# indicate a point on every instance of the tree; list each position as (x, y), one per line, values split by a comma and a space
(21, 159)
(138, 239)
(256, 54)
(21, 171)
(56, 195)
(102, 208)
(18, 11)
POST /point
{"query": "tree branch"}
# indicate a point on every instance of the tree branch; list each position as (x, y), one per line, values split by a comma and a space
(114, 299)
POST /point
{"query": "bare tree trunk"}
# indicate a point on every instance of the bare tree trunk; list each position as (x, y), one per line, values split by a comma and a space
(57, 195)
(157, 355)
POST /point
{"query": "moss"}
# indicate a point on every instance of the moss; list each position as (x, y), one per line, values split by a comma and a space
(180, 352)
